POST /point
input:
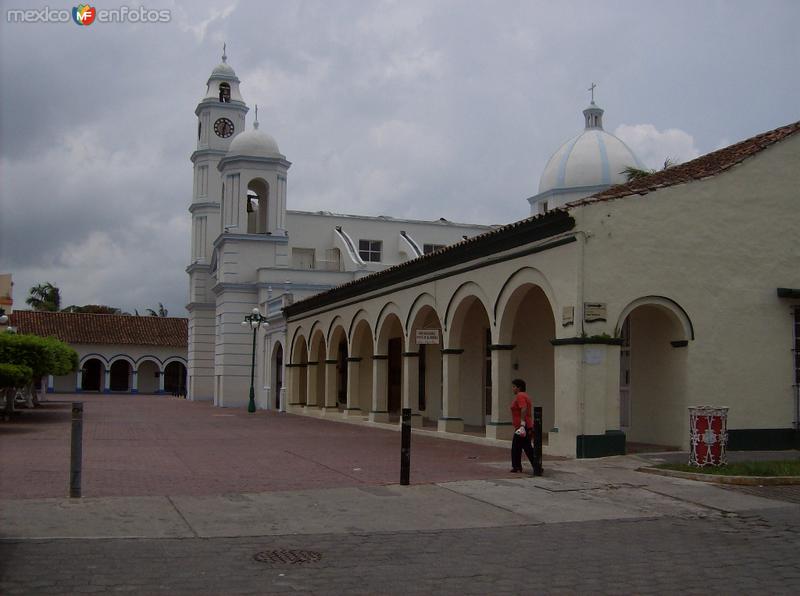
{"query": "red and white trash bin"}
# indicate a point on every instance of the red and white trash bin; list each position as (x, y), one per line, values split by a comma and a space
(708, 428)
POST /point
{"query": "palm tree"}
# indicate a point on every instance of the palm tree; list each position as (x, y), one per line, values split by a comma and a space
(162, 312)
(45, 296)
(634, 173)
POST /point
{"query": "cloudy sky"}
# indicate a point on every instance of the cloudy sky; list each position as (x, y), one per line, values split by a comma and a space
(421, 109)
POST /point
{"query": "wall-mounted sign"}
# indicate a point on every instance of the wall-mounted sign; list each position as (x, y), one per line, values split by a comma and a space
(594, 311)
(567, 316)
(593, 355)
(427, 336)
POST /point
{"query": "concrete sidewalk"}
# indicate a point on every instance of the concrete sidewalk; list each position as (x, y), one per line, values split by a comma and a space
(570, 491)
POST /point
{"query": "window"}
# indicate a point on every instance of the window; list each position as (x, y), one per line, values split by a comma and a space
(370, 250)
(543, 206)
(224, 92)
(429, 248)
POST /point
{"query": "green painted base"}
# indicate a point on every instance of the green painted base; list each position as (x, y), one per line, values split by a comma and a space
(763, 439)
(611, 443)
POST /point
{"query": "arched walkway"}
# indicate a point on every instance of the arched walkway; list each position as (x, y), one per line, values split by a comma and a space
(653, 362)
(148, 376)
(299, 366)
(338, 383)
(527, 325)
(277, 375)
(429, 362)
(175, 379)
(316, 370)
(120, 378)
(92, 373)
(390, 348)
(361, 368)
(468, 364)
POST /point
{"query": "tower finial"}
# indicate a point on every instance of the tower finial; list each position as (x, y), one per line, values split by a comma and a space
(255, 123)
(224, 50)
(592, 90)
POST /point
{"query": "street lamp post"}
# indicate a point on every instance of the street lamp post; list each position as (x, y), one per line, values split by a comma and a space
(254, 320)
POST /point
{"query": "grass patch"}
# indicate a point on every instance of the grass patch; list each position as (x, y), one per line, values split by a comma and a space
(744, 468)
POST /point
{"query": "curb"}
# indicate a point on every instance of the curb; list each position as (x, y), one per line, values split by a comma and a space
(717, 479)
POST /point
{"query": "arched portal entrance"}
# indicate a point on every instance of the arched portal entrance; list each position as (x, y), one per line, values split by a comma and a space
(147, 373)
(653, 363)
(361, 380)
(528, 325)
(470, 333)
(429, 365)
(337, 350)
(391, 346)
(300, 362)
(316, 370)
(175, 378)
(120, 376)
(277, 375)
(92, 375)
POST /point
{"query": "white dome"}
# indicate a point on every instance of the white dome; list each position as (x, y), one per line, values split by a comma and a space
(254, 143)
(592, 158)
(223, 70)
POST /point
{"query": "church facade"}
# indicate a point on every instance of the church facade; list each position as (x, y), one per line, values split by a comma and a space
(620, 310)
(248, 250)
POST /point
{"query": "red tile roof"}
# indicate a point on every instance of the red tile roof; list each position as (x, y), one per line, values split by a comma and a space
(704, 166)
(81, 328)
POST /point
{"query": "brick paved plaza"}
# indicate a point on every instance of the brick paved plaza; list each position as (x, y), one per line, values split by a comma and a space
(156, 445)
(181, 497)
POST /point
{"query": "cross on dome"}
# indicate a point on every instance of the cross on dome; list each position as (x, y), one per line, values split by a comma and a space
(592, 90)
(255, 123)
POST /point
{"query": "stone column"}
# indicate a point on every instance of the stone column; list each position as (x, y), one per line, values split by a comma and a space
(451, 420)
(135, 382)
(107, 381)
(499, 426)
(50, 384)
(312, 399)
(330, 387)
(160, 382)
(380, 397)
(353, 383)
(79, 380)
(586, 417)
(411, 386)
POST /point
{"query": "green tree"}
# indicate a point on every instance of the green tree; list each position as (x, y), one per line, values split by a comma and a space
(94, 309)
(39, 355)
(45, 296)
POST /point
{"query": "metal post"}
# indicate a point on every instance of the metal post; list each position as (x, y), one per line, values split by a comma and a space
(251, 407)
(76, 451)
(405, 447)
(537, 441)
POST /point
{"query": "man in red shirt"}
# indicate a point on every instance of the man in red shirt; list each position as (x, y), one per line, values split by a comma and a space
(521, 411)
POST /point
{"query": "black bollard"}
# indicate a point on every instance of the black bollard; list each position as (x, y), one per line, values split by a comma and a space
(405, 447)
(537, 441)
(76, 451)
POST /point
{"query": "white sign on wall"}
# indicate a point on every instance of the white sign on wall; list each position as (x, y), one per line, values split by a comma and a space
(427, 336)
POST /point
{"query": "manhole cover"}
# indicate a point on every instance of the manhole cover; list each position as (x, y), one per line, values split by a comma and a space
(288, 556)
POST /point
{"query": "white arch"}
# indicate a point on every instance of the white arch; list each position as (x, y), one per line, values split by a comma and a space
(390, 308)
(463, 292)
(149, 358)
(525, 275)
(88, 357)
(661, 302)
(420, 302)
(125, 357)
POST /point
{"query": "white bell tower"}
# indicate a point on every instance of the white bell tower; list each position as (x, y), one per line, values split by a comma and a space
(220, 116)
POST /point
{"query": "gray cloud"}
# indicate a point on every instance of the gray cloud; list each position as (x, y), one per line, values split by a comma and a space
(417, 109)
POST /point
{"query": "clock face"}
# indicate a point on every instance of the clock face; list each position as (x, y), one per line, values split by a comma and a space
(223, 128)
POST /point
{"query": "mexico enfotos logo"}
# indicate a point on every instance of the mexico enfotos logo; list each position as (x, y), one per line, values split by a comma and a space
(84, 15)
